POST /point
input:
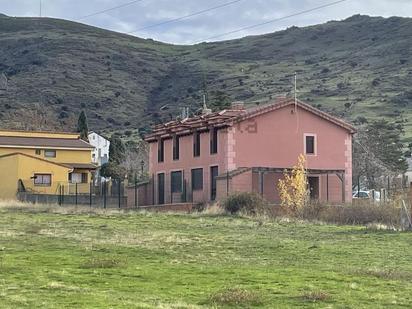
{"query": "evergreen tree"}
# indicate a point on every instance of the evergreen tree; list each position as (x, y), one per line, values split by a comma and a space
(378, 151)
(82, 127)
(220, 101)
(116, 150)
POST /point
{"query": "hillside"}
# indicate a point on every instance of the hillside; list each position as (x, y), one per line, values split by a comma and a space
(359, 67)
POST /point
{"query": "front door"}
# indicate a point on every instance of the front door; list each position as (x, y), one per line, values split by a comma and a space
(214, 172)
(161, 188)
(313, 183)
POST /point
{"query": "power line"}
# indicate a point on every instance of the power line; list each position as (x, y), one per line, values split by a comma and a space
(187, 16)
(273, 20)
(109, 9)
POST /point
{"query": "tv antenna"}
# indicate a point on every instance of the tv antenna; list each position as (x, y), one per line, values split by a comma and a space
(295, 91)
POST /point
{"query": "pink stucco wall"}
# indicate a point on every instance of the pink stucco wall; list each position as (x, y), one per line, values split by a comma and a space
(273, 139)
(187, 162)
(277, 139)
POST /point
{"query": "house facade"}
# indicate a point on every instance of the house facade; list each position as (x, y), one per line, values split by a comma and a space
(100, 153)
(44, 163)
(207, 157)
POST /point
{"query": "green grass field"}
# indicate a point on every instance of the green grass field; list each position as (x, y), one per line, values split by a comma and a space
(114, 260)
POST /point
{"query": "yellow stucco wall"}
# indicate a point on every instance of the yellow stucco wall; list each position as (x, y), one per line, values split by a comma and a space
(8, 182)
(62, 155)
(20, 167)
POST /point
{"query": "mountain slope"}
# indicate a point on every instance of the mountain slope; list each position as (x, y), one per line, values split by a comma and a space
(359, 67)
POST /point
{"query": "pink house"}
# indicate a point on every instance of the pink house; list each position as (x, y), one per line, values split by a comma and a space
(207, 157)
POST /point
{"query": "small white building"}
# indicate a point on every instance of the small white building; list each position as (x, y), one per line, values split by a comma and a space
(100, 154)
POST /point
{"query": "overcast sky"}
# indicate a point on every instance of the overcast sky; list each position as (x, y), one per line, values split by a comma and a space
(201, 27)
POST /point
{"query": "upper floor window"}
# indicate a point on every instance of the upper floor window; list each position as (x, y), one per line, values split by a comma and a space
(196, 144)
(161, 150)
(310, 144)
(176, 150)
(49, 153)
(42, 180)
(213, 141)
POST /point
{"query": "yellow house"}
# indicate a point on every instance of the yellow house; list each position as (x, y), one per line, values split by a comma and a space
(44, 163)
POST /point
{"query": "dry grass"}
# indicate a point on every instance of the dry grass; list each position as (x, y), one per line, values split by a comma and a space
(315, 296)
(102, 263)
(33, 229)
(388, 274)
(236, 297)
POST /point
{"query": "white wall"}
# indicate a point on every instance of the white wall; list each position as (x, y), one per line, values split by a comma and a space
(100, 154)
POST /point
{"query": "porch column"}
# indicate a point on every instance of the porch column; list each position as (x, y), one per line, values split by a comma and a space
(327, 187)
(261, 182)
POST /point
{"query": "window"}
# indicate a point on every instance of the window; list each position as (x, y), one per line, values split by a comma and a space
(85, 177)
(213, 141)
(161, 150)
(214, 172)
(42, 180)
(38, 152)
(48, 153)
(310, 147)
(176, 150)
(197, 179)
(196, 144)
(176, 182)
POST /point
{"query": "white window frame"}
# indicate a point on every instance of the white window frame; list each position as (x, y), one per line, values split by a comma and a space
(42, 184)
(49, 151)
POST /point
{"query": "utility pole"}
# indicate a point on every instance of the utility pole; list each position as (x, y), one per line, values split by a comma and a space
(40, 7)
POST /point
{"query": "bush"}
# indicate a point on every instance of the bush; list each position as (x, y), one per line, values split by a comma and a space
(360, 213)
(246, 203)
(236, 297)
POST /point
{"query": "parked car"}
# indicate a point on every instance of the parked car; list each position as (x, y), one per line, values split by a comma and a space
(367, 195)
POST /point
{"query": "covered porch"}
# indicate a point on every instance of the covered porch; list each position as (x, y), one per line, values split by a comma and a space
(325, 185)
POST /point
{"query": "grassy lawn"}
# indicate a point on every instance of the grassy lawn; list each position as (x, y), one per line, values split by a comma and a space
(111, 260)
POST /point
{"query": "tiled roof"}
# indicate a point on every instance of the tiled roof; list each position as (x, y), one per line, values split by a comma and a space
(85, 166)
(44, 142)
(229, 117)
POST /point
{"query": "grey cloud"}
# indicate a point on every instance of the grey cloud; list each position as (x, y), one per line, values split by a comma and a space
(194, 29)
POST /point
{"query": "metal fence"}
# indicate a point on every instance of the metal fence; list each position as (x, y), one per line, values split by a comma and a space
(104, 194)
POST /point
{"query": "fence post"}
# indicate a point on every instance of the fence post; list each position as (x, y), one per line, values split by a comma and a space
(76, 192)
(90, 194)
(62, 195)
(119, 184)
(135, 190)
(227, 183)
(389, 185)
(59, 197)
(104, 194)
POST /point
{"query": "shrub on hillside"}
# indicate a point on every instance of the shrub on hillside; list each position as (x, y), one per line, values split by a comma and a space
(246, 203)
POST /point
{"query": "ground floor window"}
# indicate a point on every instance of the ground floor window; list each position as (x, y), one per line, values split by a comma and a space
(42, 179)
(197, 179)
(78, 177)
(176, 182)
